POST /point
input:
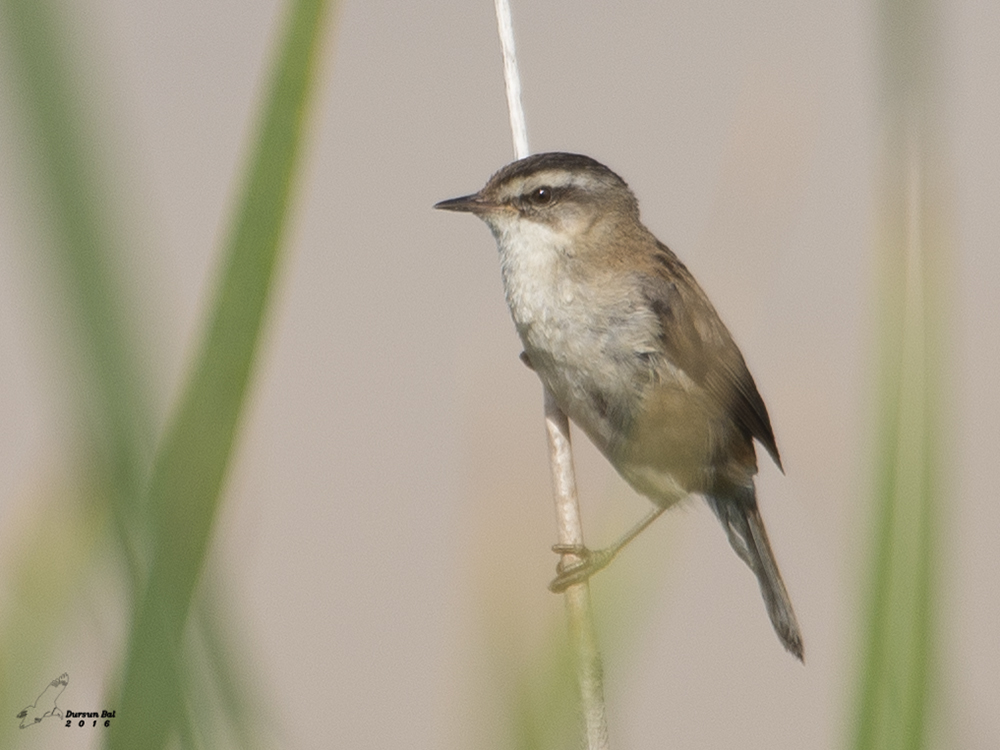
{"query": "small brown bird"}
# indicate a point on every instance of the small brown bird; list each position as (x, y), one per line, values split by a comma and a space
(633, 351)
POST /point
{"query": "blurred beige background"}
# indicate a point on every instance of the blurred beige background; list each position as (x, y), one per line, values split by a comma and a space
(386, 529)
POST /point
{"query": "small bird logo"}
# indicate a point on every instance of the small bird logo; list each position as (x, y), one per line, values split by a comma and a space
(45, 705)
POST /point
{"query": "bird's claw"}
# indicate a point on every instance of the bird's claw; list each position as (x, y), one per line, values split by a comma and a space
(577, 571)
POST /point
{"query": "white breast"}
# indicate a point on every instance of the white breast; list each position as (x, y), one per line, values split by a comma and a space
(582, 333)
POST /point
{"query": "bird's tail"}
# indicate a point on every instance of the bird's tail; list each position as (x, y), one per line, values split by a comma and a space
(739, 515)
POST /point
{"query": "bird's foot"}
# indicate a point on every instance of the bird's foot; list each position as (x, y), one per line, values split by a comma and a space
(587, 563)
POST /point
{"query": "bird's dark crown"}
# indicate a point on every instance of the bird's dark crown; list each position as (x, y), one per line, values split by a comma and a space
(556, 161)
(539, 181)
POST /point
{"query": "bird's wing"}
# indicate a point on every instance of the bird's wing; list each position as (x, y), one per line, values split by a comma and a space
(697, 342)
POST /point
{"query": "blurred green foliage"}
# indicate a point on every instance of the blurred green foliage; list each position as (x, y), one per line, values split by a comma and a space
(190, 465)
(159, 506)
(896, 701)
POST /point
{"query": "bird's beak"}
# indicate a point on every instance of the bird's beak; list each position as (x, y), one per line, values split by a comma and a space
(474, 204)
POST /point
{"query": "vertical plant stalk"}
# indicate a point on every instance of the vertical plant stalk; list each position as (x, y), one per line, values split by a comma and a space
(583, 640)
(895, 703)
(190, 466)
(512, 80)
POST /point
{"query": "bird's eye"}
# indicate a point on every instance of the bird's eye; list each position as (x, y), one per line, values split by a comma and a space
(540, 196)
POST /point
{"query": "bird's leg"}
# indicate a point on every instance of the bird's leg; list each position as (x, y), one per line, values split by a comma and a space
(593, 561)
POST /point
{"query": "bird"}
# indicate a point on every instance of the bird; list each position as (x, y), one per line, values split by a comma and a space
(633, 352)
